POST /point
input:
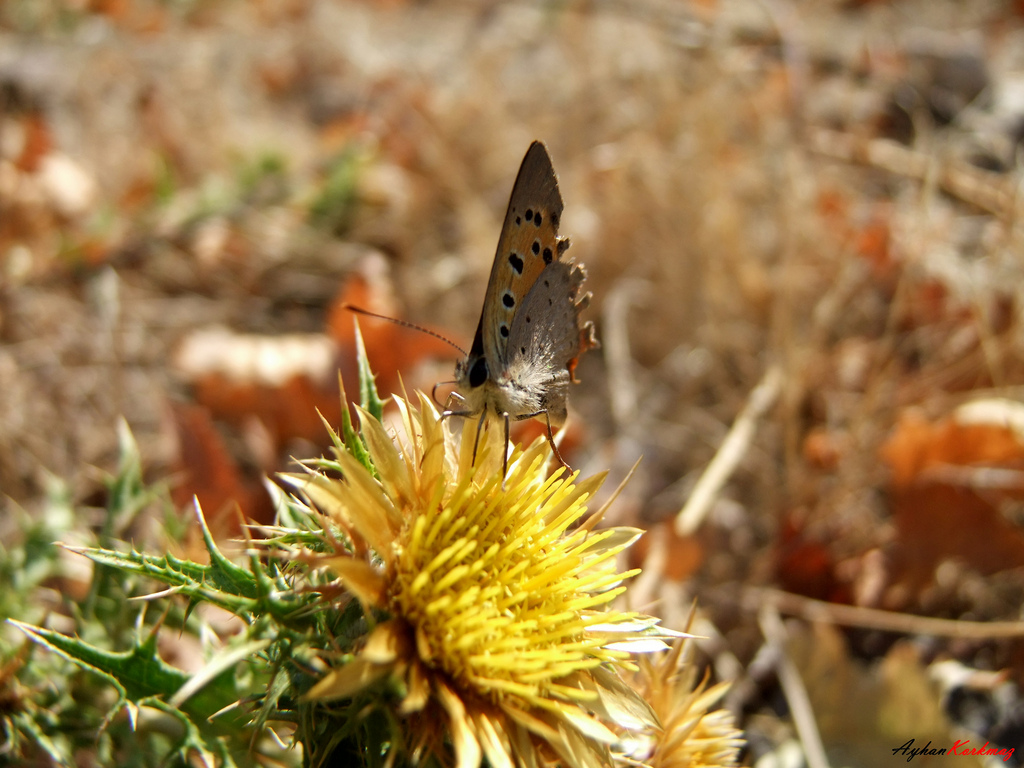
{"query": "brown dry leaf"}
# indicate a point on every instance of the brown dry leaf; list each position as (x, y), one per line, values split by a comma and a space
(340, 131)
(943, 502)
(685, 554)
(209, 473)
(869, 236)
(918, 446)
(928, 303)
(833, 207)
(37, 143)
(281, 75)
(114, 10)
(823, 448)
(872, 243)
(280, 380)
(805, 566)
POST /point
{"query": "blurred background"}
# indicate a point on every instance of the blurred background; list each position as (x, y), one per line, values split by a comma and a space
(189, 191)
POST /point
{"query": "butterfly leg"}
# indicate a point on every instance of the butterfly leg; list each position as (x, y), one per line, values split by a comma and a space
(466, 414)
(448, 411)
(554, 448)
(504, 457)
(551, 435)
(479, 431)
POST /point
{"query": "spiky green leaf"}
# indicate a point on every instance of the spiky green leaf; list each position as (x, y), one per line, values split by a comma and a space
(139, 674)
(368, 396)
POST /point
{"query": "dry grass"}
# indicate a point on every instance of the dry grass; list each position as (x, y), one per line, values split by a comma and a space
(721, 186)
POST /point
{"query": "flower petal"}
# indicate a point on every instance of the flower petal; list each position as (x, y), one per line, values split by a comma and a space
(467, 748)
(360, 578)
(392, 470)
(388, 642)
(588, 725)
(418, 693)
(348, 680)
(494, 741)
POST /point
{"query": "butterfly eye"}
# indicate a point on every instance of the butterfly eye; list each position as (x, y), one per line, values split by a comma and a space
(478, 373)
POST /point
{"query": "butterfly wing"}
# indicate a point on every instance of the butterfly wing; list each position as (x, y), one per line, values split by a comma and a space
(546, 338)
(528, 243)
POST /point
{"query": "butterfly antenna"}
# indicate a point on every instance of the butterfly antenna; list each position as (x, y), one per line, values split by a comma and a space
(404, 323)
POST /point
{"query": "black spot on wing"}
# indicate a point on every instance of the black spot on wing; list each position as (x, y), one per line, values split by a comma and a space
(508, 299)
(515, 262)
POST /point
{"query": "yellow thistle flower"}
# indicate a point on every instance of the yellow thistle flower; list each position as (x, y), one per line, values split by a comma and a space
(498, 634)
(691, 735)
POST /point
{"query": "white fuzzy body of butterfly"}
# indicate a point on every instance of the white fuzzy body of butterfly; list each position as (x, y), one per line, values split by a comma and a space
(522, 390)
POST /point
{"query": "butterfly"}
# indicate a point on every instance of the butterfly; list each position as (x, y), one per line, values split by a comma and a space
(529, 337)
